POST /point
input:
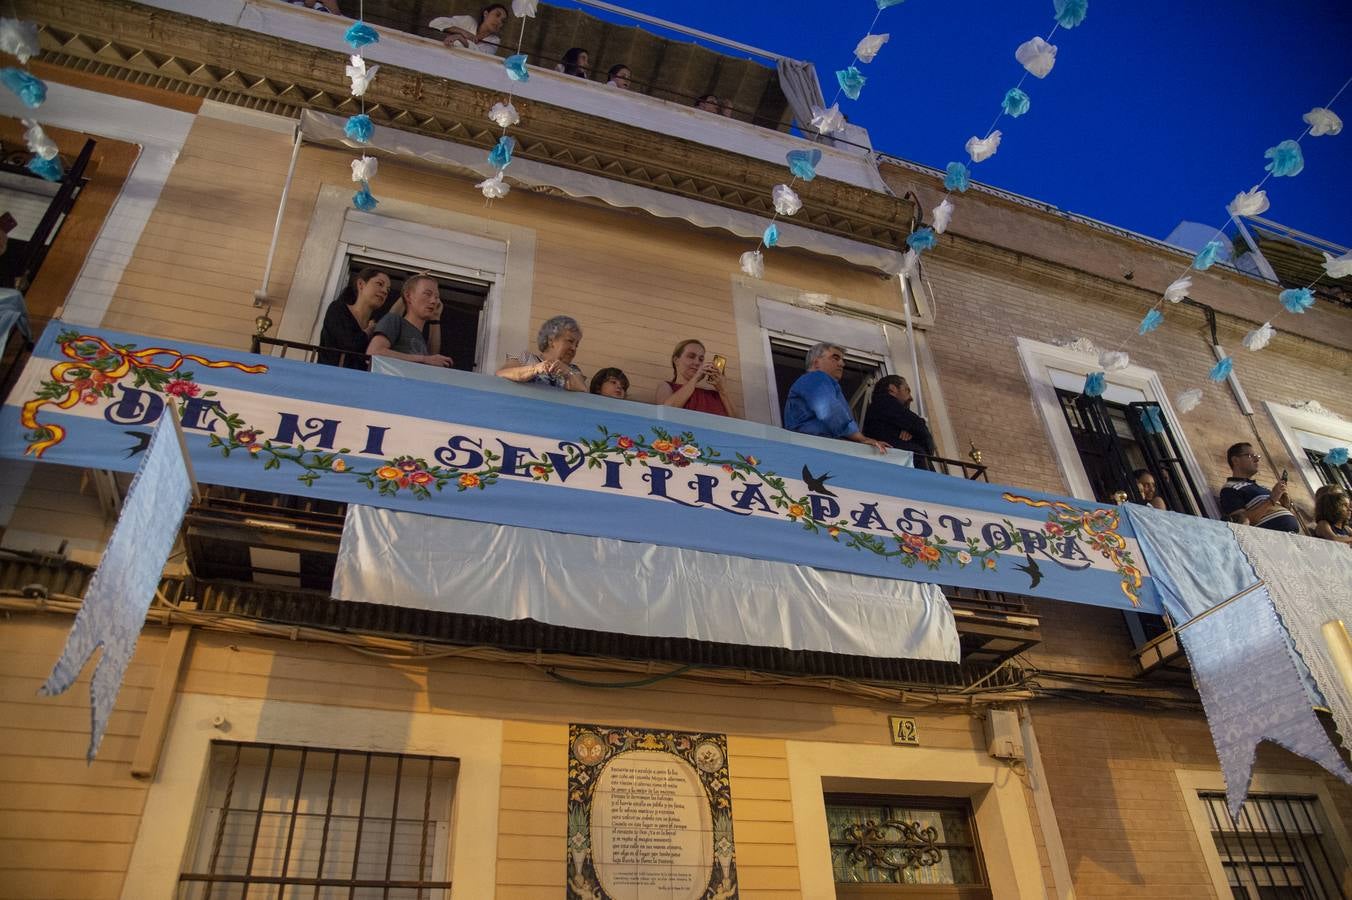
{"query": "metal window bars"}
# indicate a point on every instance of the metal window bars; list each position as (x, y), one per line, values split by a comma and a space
(1279, 848)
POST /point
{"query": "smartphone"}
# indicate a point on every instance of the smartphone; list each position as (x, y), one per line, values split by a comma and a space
(720, 363)
(1285, 476)
(7, 223)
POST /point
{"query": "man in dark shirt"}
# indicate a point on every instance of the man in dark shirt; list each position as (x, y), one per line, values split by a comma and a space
(1243, 500)
(402, 336)
(890, 419)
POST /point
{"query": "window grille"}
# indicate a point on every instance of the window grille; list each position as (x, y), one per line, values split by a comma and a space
(1329, 473)
(1280, 849)
(296, 822)
(922, 846)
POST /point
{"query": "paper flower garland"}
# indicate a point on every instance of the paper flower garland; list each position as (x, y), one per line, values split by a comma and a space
(1206, 257)
(1036, 56)
(29, 89)
(500, 157)
(1297, 300)
(494, 188)
(18, 38)
(957, 178)
(1260, 337)
(359, 128)
(1095, 383)
(884, 4)
(1322, 121)
(785, 200)
(524, 9)
(1152, 420)
(516, 67)
(360, 75)
(771, 235)
(982, 149)
(921, 239)
(1286, 159)
(1338, 266)
(363, 200)
(1175, 292)
(1188, 400)
(869, 45)
(1070, 13)
(1221, 370)
(753, 263)
(803, 163)
(1152, 320)
(37, 140)
(1337, 456)
(364, 169)
(360, 35)
(1016, 103)
(1113, 360)
(1252, 202)
(504, 115)
(943, 214)
(46, 169)
(851, 82)
(827, 121)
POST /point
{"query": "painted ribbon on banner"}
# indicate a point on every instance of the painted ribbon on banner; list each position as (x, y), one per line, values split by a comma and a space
(513, 457)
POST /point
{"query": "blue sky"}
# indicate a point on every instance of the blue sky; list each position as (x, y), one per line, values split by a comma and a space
(1157, 110)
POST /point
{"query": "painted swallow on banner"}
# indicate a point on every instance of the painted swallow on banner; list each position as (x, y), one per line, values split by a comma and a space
(142, 442)
(1034, 572)
(817, 484)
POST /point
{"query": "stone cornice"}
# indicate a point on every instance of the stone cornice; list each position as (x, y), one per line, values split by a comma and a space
(125, 40)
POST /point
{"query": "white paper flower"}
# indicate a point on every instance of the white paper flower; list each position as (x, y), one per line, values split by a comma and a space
(504, 115)
(19, 39)
(1322, 121)
(827, 121)
(364, 169)
(1188, 400)
(869, 45)
(1113, 360)
(1175, 292)
(494, 188)
(753, 263)
(1037, 56)
(1338, 266)
(785, 199)
(1259, 337)
(983, 148)
(1252, 202)
(37, 140)
(943, 214)
(910, 262)
(360, 75)
(524, 8)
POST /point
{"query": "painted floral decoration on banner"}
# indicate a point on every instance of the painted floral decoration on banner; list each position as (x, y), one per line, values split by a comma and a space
(1096, 527)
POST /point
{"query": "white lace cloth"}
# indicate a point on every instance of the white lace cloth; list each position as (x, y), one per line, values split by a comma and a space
(1310, 581)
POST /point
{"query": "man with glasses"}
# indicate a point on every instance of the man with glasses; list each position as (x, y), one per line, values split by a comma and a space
(1243, 500)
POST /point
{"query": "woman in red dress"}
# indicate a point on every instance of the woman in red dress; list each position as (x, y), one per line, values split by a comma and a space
(695, 384)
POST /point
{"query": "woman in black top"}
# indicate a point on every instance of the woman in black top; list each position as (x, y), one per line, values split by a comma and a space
(349, 321)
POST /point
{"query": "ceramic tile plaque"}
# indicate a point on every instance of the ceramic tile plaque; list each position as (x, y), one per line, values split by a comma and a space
(649, 815)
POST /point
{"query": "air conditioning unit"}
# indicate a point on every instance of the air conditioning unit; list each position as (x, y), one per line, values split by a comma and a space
(1004, 740)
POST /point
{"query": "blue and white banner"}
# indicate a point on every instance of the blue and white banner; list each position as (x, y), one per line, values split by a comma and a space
(484, 450)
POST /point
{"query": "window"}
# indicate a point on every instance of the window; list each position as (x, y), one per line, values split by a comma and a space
(340, 824)
(915, 847)
(1280, 849)
(1327, 472)
(787, 355)
(1308, 432)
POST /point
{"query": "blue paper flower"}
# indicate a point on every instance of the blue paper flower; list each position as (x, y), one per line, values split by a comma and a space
(1221, 370)
(500, 157)
(1151, 321)
(363, 199)
(1095, 383)
(1286, 158)
(32, 91)
(50, 169)
(359, 128)
(1336, 457)
(803, 163)
(1152, 420)
(957, 178)
(771, 236)
(1070, 13)
(1297, 300)
(851, 82)
(1016, 103)
(359, 35)
(884, 4)
(1206, 257)
(516, 67)
(922, 239)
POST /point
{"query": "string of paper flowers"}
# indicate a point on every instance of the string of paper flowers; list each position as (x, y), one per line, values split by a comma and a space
(359, 128)
(20, 39)
(504, 114)
(1037, 56)
(825, 121)
(1285, 160)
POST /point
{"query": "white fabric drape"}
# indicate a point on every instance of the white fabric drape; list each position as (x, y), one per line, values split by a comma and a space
(623, 587)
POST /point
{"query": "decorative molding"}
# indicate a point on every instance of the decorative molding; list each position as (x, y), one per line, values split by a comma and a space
(1314, 407)
(1078, 344)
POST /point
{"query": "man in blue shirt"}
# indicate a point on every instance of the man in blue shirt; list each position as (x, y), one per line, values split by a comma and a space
(1244, 501)
(816, 404)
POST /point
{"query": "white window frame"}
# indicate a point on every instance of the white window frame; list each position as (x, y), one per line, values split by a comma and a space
(1040, 360)
(1193, 781)
(410, 235)
(1302, 429)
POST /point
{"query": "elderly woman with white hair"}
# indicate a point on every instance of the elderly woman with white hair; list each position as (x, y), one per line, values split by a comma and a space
(557, 342)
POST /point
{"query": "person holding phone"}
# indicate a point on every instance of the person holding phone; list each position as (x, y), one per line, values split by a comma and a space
(1245, 501)
(695, 384)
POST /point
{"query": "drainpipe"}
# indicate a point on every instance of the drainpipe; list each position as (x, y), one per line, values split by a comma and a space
(260, 297)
